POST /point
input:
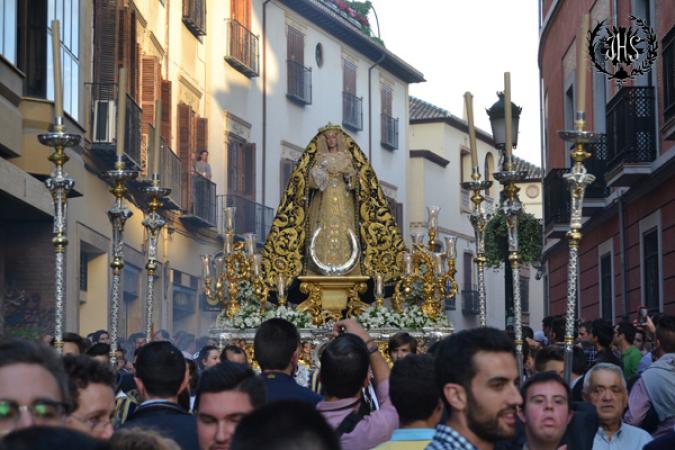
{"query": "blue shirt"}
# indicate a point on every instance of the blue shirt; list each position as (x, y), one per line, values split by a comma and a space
(446, 438)
(281, 386)
(627, 438)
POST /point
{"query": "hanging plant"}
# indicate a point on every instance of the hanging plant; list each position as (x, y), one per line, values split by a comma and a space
(497, 239)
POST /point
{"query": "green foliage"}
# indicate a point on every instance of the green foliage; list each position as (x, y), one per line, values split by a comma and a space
(497, 239)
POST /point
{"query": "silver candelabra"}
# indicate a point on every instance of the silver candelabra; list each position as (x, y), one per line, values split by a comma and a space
(578, 179)
(511, 207)
(118, 215)
(479, 219)
(153, 224)
(59, 184)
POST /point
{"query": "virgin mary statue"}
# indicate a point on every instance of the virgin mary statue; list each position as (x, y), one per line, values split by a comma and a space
(333, 218)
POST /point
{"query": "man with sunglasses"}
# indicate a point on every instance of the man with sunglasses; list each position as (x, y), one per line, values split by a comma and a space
(33, 386)
(91, 385)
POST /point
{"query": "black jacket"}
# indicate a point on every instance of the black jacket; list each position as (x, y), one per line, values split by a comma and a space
(169, 419)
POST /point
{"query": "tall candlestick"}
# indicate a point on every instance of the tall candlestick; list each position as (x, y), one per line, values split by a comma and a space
(379, 285)
(228, 218)
(56, 62)
(507, 117)
(468, 102)
(157, 144)
(121, 110)
(582, 64)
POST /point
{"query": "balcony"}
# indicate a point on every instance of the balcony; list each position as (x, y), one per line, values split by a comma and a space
(201, 211)
(299, 83)
(170, 173)
(556, 204)
(104, 126)
(470, 302)
(194, 16)
(250, 217)
(242, 49)
(352, 111)
(597, 165)
(389, 137)
(631, 135)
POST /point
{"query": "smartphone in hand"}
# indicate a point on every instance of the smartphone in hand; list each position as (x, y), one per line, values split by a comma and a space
(642, 315)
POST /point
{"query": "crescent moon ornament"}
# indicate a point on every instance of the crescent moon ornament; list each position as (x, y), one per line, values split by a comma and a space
(330, 269)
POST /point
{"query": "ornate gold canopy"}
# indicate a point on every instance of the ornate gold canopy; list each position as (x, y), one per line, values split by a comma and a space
(381, 244)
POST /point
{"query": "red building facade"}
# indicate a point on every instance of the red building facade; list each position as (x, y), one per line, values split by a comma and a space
(627, 254)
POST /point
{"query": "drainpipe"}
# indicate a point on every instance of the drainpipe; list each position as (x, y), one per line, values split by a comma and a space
(622, 261)
(370, 106)
(264, 99)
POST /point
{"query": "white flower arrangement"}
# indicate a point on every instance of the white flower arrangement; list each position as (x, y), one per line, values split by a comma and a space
(250, 316)
(412, 318)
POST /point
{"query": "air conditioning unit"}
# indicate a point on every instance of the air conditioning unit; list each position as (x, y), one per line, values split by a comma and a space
(104, 121)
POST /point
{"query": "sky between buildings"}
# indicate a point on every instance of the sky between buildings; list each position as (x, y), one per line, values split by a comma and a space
(467, 45)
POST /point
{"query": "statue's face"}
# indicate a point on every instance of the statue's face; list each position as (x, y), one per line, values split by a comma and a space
(331, 140)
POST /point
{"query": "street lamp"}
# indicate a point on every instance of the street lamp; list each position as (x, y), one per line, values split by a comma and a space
(497, 122)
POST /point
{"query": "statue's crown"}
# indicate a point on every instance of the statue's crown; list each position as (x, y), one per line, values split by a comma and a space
(330, 126)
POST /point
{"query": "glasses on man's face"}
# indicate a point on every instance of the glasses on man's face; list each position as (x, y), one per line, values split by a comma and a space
(94, 423)
(42, 411)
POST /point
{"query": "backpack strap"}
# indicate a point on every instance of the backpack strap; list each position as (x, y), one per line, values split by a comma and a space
(349, 423)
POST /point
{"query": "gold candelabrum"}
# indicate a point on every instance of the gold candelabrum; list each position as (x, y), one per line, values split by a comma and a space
(153, 224)
(118, 215)
(578, 179)
(424, 266)
(512, 208)
(223, 272)
(59, 184)
(479, 220)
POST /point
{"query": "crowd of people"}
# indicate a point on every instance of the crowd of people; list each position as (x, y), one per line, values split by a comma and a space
(462, 392)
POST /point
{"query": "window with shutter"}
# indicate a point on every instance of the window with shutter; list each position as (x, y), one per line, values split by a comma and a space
(349, 77)
(386, 96)
(241, 12)
(149, 90)
(241, 169)
(105, 48)
(296, 46)
(285, 171)
(184, 150)
(166, 111)
(202, 134)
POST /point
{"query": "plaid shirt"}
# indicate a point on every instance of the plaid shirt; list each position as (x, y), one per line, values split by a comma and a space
(448, 439)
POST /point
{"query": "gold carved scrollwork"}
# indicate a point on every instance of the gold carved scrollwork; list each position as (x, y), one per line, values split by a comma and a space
(380, 240)
(354, 304)
(313, 303)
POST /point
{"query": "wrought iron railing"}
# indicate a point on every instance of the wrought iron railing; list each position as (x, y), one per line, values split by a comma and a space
(203, 204)
(104, 122)
(194, 16)
(470, 302)
(631, 136)
(242, 49)
(250, 217)
(389, 132)
(352, 111)
(299, 83)
(597, 165)
(170, 171)
(556, 198)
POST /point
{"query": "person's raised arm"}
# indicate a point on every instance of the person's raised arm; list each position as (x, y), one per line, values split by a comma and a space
(377, 361)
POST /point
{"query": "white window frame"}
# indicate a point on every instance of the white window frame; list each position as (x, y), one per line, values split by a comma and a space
(603, 249)
(647, 224)
(8, 17)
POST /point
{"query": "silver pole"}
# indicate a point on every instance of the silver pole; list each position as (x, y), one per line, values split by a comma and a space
(118, 215)
(578, 179)
(153, 223)
(59, 184)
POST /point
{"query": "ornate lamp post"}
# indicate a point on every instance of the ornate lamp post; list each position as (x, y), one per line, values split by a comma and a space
(504, 118)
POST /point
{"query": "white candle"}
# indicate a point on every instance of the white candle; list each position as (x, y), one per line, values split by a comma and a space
(121, 110)
(281, 286)
(450, 247)
(206, 266)
(438, 263)
(249, 238)
(407, 263)
(468, 102)
(157, 142)
(582, 64)
(228, 214)
(507, 115)
(56, 63)
(432, 212)
(228, 245)
(257, 261)
(379, 285)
